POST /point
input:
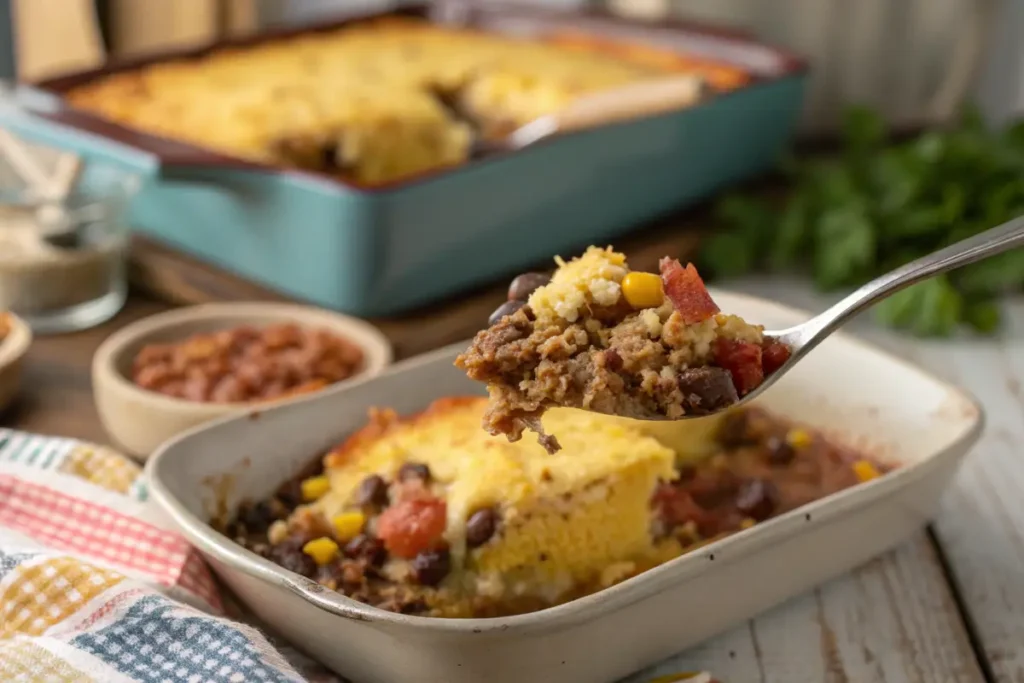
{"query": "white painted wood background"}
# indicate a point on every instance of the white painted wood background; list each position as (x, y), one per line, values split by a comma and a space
(896, 620)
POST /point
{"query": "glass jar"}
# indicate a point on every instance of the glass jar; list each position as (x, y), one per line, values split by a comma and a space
(63, 268)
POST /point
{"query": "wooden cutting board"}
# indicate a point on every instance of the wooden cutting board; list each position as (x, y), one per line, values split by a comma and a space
(180, 279)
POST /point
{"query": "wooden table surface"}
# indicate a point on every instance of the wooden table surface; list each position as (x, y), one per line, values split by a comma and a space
(948, 605)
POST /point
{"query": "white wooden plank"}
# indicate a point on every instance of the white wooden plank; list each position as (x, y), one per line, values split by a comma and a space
(981, 523)
(893, 620)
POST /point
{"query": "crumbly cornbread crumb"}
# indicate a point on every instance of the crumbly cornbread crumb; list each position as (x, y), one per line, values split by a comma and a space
(593, 279)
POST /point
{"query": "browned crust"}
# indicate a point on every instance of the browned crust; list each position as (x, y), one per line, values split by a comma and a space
(383, 421)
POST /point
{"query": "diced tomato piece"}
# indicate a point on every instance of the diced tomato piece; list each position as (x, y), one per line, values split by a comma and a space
(742, 360)
(675, 507)
(685, 289)
(773, 355)
(411, 526)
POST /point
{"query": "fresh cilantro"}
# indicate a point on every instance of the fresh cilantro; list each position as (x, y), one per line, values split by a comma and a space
(875, 206)
(932, 308)
(844, 247)
(984, 316)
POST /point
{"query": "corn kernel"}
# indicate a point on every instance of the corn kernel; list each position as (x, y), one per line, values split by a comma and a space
(315, 487)
(798, 438)
(322, 550)
(642, 290)
(347, 525)
(747, 523)
(721, 318)
(865, 470)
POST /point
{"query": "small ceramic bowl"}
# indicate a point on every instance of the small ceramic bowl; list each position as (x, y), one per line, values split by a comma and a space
(13, 347)
(139, 420)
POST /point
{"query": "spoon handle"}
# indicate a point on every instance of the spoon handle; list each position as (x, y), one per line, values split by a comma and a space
(636, 100)
(989, 243)
(644, 98)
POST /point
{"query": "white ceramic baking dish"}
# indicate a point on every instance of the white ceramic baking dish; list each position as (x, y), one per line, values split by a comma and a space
(849, 389)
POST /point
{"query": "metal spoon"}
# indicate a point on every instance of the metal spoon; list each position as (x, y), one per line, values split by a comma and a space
(635, 100)
(801, 339)
(60, 226)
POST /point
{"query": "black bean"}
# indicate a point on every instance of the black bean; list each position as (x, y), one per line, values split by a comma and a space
(686, 472)
(481, 527)
(526, 284)
(256, 518)
(507, 308)
(431, 566)
(412, 606)
(414, 470)
(373, 491)
(368, 548)
(757, 499)
(290, 556)
(290, 494)
(707, 389)
(735, 430)
(778, 451)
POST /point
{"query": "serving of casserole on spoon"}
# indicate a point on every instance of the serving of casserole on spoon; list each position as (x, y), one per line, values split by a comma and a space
(598, 336)
(601, 337)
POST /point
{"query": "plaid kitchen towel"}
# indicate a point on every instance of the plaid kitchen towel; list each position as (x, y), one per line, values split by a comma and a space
(97, 587)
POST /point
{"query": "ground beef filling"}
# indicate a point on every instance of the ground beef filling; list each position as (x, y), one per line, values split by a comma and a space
(763, 466)
(611, 364)
(641, 346)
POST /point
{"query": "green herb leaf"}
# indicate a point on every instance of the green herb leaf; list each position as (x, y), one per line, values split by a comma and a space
(984, 316)
(845, 247)
(874, 207)
(727, 254)
(793, 236)
(932, 308)
(736, 249)
(996, 275)
(863, 129)
(745, 214)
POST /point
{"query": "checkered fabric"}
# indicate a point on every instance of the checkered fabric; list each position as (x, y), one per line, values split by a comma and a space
(95, 586)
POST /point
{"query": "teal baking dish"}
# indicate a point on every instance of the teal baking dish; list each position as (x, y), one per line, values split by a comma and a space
(383, 250)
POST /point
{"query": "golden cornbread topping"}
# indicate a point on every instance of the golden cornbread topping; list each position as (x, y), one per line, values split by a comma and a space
(5, 325)
(429, 515)
(599, 336)
(375, 101)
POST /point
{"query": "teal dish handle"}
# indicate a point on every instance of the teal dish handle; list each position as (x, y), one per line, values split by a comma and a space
(40, 117)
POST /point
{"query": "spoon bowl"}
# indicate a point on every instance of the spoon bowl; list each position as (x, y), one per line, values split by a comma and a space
(803, 338)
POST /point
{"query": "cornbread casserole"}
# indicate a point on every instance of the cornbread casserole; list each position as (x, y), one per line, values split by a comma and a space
(604, 338)
(430, 515)
(375, 101)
